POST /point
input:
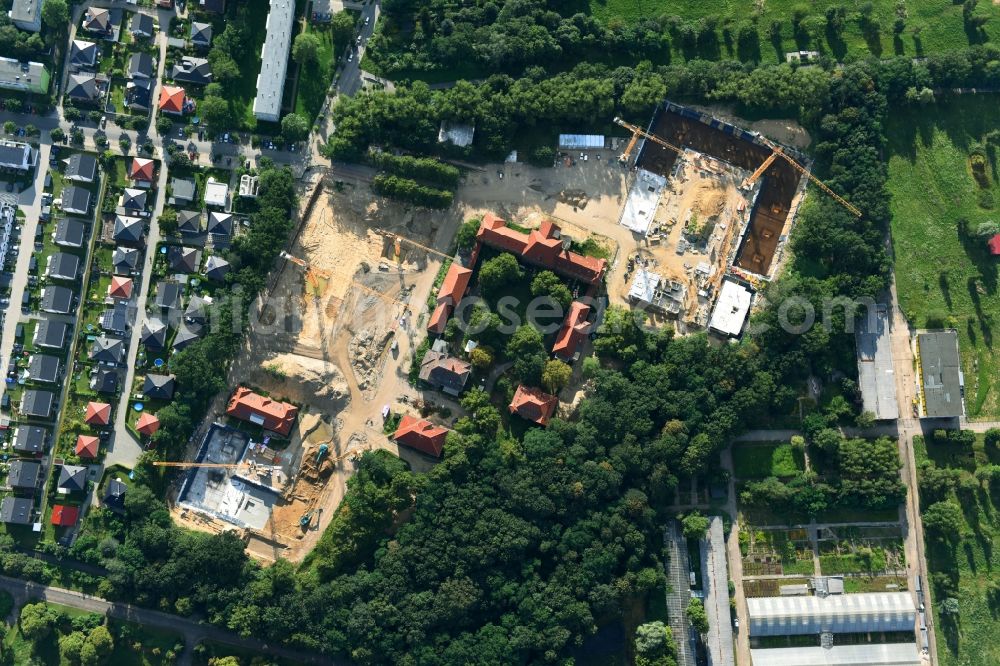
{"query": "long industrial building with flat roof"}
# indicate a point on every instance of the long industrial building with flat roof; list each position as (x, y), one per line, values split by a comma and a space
(876, 376)
(940, 375)
(274, 61)
(877, 654)
(838, 614)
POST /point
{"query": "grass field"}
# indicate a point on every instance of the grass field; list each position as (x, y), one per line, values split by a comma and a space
(974, 563)
(930, 26)
(944, 273)
(759, 461)
(314, 78)
(246, 86)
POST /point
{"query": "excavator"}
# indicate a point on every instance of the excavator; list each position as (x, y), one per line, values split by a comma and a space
(776, 152)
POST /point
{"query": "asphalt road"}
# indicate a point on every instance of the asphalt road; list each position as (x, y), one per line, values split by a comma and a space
(192, 631)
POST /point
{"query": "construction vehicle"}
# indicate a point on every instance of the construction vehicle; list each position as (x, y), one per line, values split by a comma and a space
(776, 152)
(636, 133)
(321, 453)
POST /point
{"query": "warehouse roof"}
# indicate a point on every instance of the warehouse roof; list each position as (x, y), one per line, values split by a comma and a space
(848, 613)
(941, 373)
(876, 654)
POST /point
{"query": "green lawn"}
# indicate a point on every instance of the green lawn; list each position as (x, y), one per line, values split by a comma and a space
(314, 79)
(944, 273)
(759, 461)
(246, 85)
(973, 564)
(931, 26)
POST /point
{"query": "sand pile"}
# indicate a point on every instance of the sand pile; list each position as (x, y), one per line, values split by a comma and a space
(305, 380)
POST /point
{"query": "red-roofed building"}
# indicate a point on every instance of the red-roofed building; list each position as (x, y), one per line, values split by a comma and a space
(172, 100)
(573, 331)
(147, 424)
(87, 446)
(542, 247)
(421, 435)
(65, 516)
(994, 245)
(456, 282)
(533, 405)
(246, 405)
(98, 413)
(142, 171)
(120, 287)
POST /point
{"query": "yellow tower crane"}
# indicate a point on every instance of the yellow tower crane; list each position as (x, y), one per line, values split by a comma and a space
(636, 133)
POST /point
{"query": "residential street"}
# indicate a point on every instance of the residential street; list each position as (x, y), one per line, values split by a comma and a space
(192, 631)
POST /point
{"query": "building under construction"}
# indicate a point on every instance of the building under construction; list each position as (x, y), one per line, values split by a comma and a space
(771, 211)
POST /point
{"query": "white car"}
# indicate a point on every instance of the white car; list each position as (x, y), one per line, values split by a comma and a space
(350, 57)
(368, 19)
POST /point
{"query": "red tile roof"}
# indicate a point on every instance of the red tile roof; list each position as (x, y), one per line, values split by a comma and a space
(246, 405)
(172, 99)
(65, 516)
(147, 424)
(120, 287)
(994, 244)
(439, 318)
(142, 169)
(573, 331)
(456, 281)
(421, 435)
(87, 446)
(98, 413)
(533, 405)
(542, 248)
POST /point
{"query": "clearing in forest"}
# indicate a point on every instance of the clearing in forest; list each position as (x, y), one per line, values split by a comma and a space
(943, 177)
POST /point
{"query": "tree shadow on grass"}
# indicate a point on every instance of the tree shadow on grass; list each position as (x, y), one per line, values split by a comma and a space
(838, 47)
(945, 288)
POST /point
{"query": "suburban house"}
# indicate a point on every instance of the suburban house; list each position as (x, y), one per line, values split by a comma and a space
(72, 479)
(220, 225)
(141, 26)
(189, 222)
(50, 334)
(64, 515)
(133, 199)
(158, 387)
(109, 351)
(75, 200)
(154, 333)
(57, 300)
(168, 295)
(183, 259)
(70, 233)
(43, 368)
(278, 417)
(125, 259)
(26, 14)
(129, 229)
(85, 87)
(216, 193)
(142, 171)
(104, 380)
(444, 372)
(30, 439)
(30, 77)
(456, 282)
(103, 22)
(17, 156)
(139, 93)
(216, 268)
(116, 319)
(533, 405)
(114, 494)
(186, 334)
(140, 66)
(37, 404)
(16, 510)
(62, 266)
(97, 414)
(192, 70)
(421, 435)
(198, 308)
(172, 100)
(147, 424)
(201, 35)
(82, 53)
(574, 330)
(542, 247)
(274, 61)
(24, 474)
(214, 6)
(87, 446)
(120, 287)
(182, 190)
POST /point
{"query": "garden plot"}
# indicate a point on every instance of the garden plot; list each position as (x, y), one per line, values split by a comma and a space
(775, 552)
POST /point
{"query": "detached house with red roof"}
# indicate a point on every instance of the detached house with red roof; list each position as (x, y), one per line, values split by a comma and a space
(141, 171)
(456, 282)
(533, 405)
(278, 417)
(421, 435)
(574, 330)
(172, 100)
(542, 247)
